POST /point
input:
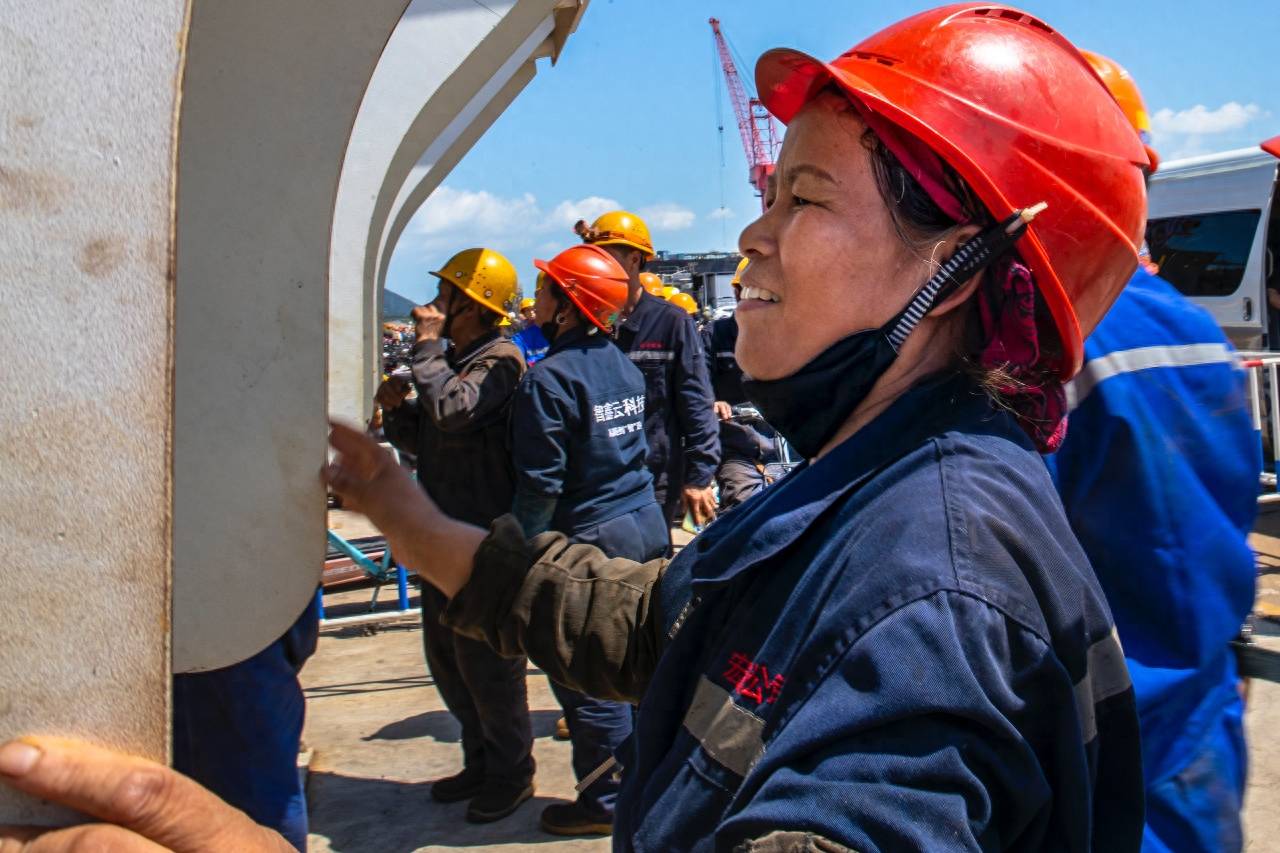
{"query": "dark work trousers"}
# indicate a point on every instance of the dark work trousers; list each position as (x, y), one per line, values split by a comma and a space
(672, 502)
(598, 727)
(236, 730)
(485, 692)
(738, 479)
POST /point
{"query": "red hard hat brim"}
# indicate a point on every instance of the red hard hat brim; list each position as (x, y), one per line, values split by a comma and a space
(788, 79)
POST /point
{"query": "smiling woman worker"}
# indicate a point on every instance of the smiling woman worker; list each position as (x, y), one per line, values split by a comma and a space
(900, 646)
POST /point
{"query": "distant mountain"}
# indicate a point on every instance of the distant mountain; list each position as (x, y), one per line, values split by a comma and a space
(395, 306)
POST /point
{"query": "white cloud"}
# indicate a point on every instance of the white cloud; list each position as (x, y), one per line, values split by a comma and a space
(452, 219)
(568, 212)
(667, 217)
(1200, 120)
(1200, 130)
(720, 213)
(448, 212)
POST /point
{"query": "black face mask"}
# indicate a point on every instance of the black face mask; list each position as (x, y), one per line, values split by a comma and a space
(810, 405)
(551, 328)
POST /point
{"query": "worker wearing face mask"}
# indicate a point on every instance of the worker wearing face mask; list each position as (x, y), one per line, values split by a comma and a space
(578, 444)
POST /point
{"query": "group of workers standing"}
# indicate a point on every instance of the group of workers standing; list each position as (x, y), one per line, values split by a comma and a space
(594, 419)
(924, 637)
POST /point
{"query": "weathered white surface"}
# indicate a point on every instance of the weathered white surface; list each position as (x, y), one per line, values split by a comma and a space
(86, 139)
(270, 95)
(163, 415)
(448, 72)
(431, 41)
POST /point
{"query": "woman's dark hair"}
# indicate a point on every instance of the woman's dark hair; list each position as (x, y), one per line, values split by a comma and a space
(918, 221)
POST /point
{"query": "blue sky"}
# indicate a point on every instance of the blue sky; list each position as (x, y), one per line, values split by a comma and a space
(628, 115)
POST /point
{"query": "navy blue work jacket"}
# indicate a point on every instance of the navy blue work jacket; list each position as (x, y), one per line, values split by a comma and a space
(738, 440)
(577, 432)
(680, 421)
(898, 647)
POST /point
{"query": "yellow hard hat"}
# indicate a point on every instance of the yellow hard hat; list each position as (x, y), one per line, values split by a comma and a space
(527, 302)
(651, 283)
(485, 276)
(685, 301)
(668, 291)
(619, 228)
(737, 274)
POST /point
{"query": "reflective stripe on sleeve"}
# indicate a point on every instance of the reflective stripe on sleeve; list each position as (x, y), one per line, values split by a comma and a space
(1098, 370)
(729, 733)
(1106, 675)
(651, 355)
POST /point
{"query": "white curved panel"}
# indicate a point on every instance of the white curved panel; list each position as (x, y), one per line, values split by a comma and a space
(430, 44)
(465, 70)
(270, 95)
(86, 189)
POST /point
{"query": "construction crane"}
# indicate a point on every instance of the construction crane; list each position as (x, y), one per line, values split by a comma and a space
(761, 136)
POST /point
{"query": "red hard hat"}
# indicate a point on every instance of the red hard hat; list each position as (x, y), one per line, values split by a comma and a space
(1015, 109)
(592, 279)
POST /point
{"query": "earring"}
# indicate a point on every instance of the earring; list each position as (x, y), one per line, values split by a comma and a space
(561, 319)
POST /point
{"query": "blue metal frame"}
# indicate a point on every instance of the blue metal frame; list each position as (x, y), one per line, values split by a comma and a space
(380, 573)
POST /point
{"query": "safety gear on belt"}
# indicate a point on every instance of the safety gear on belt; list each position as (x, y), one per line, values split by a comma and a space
(620, 228)
(810, 405)
(651, 283)
(485, 276)
(737, 274)
(959, 79)
(1127, 94)
(592, 280)
(685, 301)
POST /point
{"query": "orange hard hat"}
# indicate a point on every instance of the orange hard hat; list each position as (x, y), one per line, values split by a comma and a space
(685, 301)
(593, 281)
(1013, 107)
(651, 283)
(1123, 88)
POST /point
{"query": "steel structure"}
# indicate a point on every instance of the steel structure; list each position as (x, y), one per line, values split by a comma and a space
(761, 137)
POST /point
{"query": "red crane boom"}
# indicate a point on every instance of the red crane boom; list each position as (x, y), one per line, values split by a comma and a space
(761, 137)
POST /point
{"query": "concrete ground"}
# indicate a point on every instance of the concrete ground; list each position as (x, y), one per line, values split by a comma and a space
(380, 734)
(1262, 719)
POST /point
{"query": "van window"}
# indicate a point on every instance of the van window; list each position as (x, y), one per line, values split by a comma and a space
(1204, 254)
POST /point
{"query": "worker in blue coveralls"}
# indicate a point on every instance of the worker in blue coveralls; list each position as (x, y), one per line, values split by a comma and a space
(533, 344)
(1159, 477)
(662, 339)
(578, 445)
(901, 644)
(746, 443)
(236, 730)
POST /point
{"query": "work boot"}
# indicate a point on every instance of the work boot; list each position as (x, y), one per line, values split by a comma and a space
(562, 729)
(576, 819)
(458, 787)
(498, 800)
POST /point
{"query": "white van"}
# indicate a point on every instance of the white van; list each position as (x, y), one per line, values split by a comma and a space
(1213, 226)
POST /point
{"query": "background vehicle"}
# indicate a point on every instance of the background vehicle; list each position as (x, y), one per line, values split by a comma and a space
(1214, 229)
